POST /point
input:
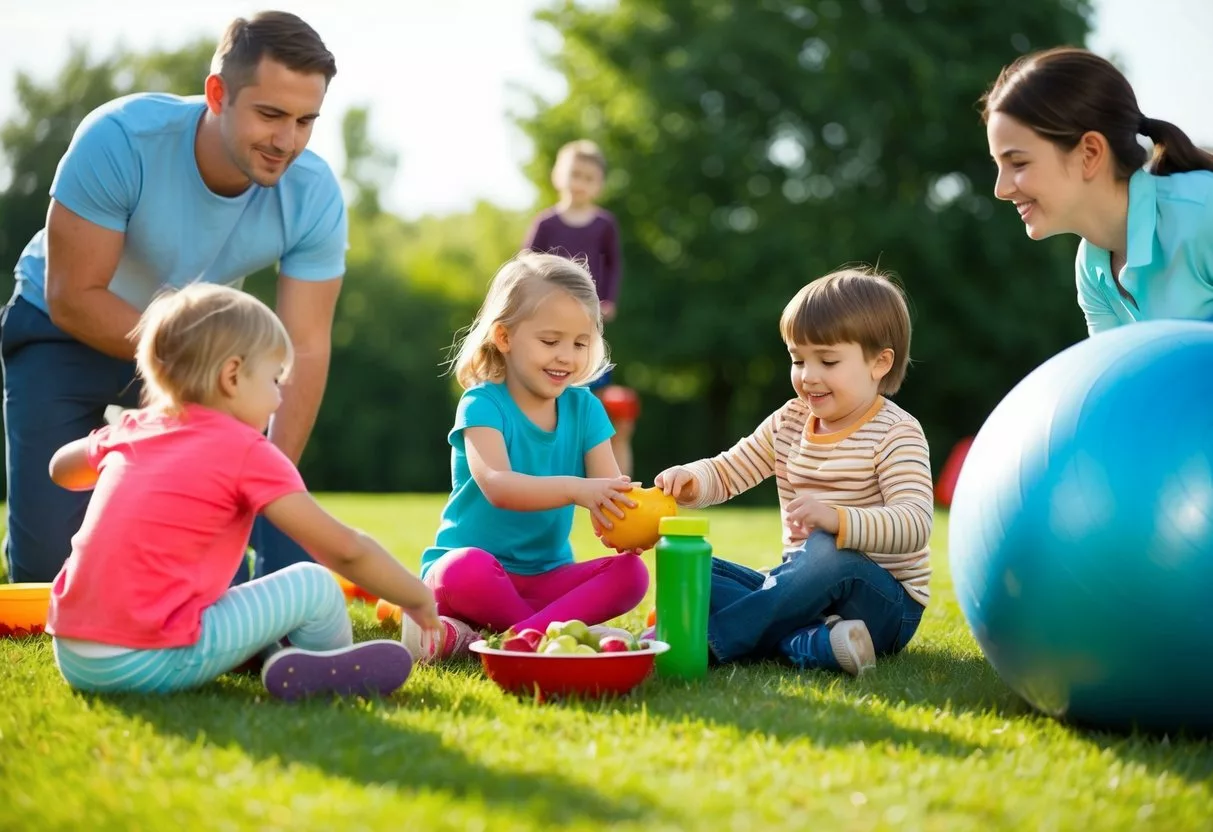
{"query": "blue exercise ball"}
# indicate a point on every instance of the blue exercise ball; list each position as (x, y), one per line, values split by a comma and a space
(1081, 532)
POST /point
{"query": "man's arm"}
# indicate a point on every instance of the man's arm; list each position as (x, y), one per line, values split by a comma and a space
(306, 308)
(81, 258)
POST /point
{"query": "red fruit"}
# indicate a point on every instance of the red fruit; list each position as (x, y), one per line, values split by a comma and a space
(518, 644)
(613, 644)
(532, 636)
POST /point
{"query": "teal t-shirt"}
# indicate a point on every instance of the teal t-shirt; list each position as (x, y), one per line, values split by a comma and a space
(1169, 263)
(524, 542)
(131, 168)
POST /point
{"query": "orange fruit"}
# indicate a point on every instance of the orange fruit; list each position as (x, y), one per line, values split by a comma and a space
(637, 529)
(352, 591)
(388, 613)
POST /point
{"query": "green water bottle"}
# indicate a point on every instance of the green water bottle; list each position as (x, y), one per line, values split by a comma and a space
(684, 583)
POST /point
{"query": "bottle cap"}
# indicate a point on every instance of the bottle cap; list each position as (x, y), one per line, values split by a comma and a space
(683, 526)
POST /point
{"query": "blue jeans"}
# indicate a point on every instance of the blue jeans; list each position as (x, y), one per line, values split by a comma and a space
(56, 390)
(750, 613)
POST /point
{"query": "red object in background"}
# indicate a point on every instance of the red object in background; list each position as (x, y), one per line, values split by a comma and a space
(621, 403)
(945, 489)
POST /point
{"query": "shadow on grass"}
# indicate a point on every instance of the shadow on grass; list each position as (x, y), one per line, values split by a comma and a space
(943, 680)
(753, 698)
(356, 741)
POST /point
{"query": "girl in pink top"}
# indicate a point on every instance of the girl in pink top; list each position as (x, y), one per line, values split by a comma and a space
(144, 602)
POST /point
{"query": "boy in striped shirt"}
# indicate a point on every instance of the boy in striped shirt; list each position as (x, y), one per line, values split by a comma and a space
(855, 492)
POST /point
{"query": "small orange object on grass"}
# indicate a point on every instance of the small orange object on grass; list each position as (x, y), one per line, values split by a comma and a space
(352, 591)
(23, 609)
(389, 614)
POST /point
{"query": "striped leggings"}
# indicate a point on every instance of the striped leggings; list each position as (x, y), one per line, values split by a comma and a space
(301, 603)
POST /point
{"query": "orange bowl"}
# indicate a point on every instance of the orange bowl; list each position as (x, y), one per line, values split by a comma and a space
(545, 675)
(638, 528)
(23, 608)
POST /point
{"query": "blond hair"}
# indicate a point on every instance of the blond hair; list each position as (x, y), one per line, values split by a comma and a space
(514, 294)
(186, 336)
(581, 150)
(859, 306)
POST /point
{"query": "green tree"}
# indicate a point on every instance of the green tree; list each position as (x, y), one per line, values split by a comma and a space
(369, 168)
(408, 286)
(755, 146)
(36, 137)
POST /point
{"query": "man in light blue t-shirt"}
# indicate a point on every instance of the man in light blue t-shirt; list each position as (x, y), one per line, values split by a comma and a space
(158, 191)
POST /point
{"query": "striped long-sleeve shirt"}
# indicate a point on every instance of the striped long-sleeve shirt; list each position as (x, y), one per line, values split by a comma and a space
(876, 473)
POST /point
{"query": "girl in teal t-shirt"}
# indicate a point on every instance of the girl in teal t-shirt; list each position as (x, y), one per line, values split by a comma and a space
(528, 444)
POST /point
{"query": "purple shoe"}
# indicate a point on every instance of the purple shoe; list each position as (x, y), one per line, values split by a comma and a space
(369, 668)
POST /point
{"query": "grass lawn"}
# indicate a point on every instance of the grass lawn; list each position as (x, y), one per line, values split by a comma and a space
(929, 740)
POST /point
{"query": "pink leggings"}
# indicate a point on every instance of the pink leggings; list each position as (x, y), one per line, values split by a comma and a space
(471, 585)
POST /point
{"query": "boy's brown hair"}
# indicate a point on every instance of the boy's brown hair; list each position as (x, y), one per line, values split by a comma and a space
(280, 36)
(860, 306)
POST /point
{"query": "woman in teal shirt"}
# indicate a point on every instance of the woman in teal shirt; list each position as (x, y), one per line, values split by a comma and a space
(1062, 127)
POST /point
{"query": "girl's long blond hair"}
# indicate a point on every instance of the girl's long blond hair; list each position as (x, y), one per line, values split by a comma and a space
(515, 293)
(186, 336)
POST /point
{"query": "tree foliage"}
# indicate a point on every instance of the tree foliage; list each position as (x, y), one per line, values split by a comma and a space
(755, 146)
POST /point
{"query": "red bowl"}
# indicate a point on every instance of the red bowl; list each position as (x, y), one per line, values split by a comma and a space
(562, 674)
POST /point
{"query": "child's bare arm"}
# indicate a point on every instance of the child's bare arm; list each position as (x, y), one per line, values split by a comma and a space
(71, 469)
(353, 554)
(489, 463)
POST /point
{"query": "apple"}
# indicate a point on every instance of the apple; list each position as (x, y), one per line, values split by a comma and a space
(614, 644)
(580, 631)
(577, 629)
(518, 644)
(562, 644)
(585, 648)
(533, 637)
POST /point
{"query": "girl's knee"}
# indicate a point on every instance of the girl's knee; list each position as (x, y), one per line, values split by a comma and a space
(632, 574)
(317, 581)
(463, 567)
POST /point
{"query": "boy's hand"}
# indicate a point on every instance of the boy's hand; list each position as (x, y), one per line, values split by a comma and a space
(678, 483)
(603, 494)
(806, 514)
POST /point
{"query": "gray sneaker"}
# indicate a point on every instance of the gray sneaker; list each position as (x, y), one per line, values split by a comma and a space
(852, 646)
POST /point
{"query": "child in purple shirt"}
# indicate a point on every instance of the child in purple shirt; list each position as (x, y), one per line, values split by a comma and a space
(575, 227)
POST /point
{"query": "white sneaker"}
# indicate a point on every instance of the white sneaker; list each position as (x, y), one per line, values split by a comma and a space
(852, 646)
(455, 637)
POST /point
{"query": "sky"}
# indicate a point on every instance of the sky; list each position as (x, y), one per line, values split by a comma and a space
(442, 76)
